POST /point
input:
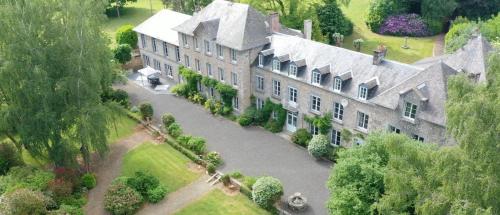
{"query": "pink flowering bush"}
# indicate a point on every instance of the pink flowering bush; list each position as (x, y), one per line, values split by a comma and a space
(404, 25)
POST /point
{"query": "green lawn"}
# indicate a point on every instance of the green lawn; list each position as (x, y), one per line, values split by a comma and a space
(218, 203)
(357, 12)
(133, 14)
(120, 128)
(163, 161)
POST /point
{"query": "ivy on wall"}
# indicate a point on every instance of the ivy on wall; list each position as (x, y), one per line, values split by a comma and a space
(263, 117)
(323, 123)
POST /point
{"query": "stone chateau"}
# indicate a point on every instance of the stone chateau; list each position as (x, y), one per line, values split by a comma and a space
(238, 45)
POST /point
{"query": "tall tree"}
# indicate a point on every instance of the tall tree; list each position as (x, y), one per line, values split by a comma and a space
(118, 4)
(186, 6)
(56, 65)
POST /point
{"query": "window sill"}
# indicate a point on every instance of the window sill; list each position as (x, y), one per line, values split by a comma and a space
(220, 58)
(234, 62)
(186, 46)
(208, 54)
(362, 130)
(316, 84)
(334, 145)
(338, 121)
(277, 97)
(259, 90)
(315, 112)
(410, 120)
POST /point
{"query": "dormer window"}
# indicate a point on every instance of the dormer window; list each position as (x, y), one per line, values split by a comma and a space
(362, 92)
(261, 60)
(276, 65)
(293, 70)
(316, 78)
(337, 85)
(410, 110)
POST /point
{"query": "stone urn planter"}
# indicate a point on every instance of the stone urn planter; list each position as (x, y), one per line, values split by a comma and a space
(297, 202)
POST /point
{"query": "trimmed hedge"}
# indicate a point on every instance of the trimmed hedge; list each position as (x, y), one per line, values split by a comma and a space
(191, 155)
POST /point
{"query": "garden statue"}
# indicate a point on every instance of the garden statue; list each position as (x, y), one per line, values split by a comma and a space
(405, 46)
(297, 202)
(338, 38)
(357, 44)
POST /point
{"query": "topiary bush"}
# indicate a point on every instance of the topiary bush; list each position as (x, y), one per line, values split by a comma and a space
(197, 145)
(89, 180)
(266, 191)
(123, 53)
(156, 194)
(318, 146)
(126, 35)
(24, 201)
(9, 157)
(143, 182)
(174, 130)
(120, 199)
(301, 137)
(214, 158)
(167, 120)
(211, 168)
(146, 110)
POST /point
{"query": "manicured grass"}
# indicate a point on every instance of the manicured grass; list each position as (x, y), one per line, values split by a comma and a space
(133, 14)
(121, 127)
(162, 161)
(357, 12)
(218, 203)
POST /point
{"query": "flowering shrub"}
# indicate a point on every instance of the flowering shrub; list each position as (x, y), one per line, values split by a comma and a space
(404, 25)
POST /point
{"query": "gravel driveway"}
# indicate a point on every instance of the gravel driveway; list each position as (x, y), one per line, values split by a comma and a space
(253, 151)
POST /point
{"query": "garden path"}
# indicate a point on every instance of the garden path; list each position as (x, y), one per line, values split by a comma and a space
(180, 198)
(109, 168)
(439, 45)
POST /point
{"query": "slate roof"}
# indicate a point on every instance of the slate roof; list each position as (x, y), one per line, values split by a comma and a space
(339, 61)
(160, 26)
(239, 26)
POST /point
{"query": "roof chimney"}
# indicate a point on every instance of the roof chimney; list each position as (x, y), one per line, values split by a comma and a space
(307, 29)
(379, 54)
(274, 22)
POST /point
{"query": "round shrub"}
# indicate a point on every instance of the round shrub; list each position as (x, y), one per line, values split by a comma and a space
(24, 201)
(89, 180)
(197, 145)
(157, 194)
(121, 199)
(266, 191)
(226, 180)
(167, 120)
(404, 25)
(381, 9)
(121, 97)
(174, 130)
(123, 53)
(143, 182)
(318, 146)
(301, 137)
(146, 110)
(214, 158)
(245, 120)
(9, 157)
(211, 168)
(126, 35)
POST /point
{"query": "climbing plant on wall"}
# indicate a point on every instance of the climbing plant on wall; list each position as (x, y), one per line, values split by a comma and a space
(324, 123)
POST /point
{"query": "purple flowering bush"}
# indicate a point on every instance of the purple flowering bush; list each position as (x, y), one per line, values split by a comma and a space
(404, 25)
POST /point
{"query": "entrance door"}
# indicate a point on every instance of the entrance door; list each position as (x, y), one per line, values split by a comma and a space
(291, 121)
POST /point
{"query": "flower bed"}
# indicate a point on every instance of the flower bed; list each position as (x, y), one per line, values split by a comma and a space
(404, 25)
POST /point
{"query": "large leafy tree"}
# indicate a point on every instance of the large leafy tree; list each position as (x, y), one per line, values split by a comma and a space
(56, 64)
(186, 6)
(332, 20)
(118, 4)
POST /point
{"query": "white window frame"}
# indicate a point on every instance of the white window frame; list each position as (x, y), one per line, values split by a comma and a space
(336, 138)
(208, 49)
(293, 71)
(221, 74)
(197, 65)
(417, 137)
(338, 111)
(143, 41)
(410, 110)
(156, 64)
(177, 54)
(362, 121)
(316, 78)
(313, 129)
(362, 92)
(292, 95)
(165, 49)
(187, 61)
(259, 103)
(337, 85)
(276, 88)
(259, 83)
(261, 60)
(153, 43)
(276, 65)
(169, 70)
(315, 103)
(184, 41)
(146, 59)
(234, 79)
(394, 129)
(196, 45)
(209, 69)
(236, 103)
(233, 54)
(220, 51)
